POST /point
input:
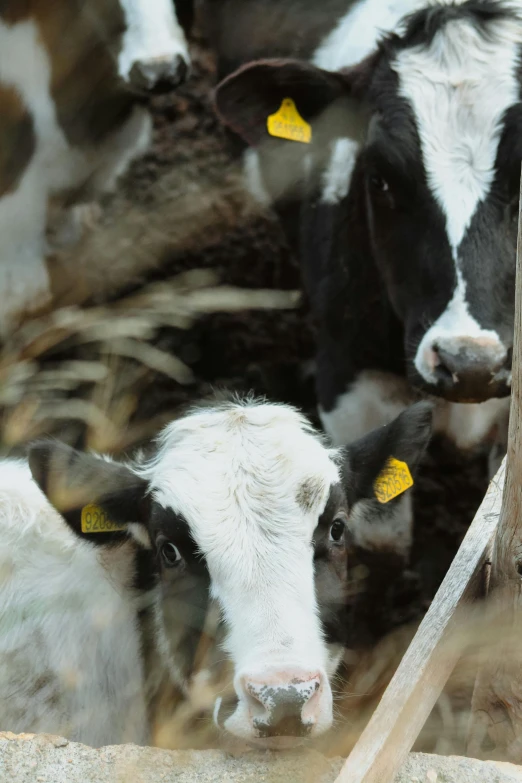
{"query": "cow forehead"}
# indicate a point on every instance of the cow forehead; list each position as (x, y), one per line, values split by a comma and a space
(459, 85)
(258, 470)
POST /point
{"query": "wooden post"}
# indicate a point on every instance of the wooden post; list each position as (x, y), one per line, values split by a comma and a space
(430, 658)
(496, 727)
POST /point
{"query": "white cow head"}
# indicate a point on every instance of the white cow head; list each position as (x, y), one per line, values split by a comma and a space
(244, 504)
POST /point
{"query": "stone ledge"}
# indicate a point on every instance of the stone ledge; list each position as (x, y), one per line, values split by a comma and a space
(32, 758)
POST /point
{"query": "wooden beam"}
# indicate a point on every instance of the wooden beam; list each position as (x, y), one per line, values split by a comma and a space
(497, 700)
(429, 661)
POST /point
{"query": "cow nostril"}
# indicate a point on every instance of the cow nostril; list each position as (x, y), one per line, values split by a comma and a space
(288, 709)
(444, 371)
(159, 75)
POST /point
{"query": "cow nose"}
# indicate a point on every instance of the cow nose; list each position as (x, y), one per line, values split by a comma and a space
(160, 74)
(469, 368)
(286, 706)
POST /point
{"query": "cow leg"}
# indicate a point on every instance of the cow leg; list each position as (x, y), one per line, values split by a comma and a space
(112, 158)
(100, 168)
(24, 280)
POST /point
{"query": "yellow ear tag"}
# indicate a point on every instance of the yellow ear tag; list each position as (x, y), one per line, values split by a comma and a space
(287, 123)
(394, 479)
(95, 520)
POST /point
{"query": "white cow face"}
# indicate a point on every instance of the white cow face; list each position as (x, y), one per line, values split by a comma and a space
(243, 503)
(154, 53)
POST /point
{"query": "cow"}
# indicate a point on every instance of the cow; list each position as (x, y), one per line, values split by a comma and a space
(73, 79)
(404, 206)
(239, 504)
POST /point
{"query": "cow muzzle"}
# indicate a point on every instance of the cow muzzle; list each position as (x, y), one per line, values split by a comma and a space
(159, 74)
(465, 369)
(278, 705)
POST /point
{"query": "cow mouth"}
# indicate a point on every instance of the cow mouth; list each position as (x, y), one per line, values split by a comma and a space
(461, 390)
(224, 710)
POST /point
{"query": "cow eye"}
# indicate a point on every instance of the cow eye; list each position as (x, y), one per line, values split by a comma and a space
(170, 554)
(379, 184)
(337, 529)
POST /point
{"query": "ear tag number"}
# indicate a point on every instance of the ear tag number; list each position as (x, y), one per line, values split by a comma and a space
(287, 123)
(95, 520)
(394, 479)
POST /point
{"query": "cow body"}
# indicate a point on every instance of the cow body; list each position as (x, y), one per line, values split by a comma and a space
(241, 505)
(404, 210)
(71, 120)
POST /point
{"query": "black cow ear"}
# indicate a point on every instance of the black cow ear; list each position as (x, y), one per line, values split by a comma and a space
(98, 498)
(378, 472)
(378, 465)
(246, 100)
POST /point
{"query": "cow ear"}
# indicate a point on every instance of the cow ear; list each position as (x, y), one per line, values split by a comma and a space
(92, 494)
(378, 472)
(404, 440)
(247, 98)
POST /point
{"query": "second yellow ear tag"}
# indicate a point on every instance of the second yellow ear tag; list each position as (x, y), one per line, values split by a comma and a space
(95, 520)
(287, 123)
(394, 479)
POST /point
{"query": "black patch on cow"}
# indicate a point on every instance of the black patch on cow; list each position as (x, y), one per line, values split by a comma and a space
(422, 26)
(72, 479)
(185, 588)
(17, 139)
(331, 568)
(146, 573)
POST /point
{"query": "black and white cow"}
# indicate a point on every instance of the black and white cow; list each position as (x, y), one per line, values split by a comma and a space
(73, 76)
(404, 205)
(239, 503)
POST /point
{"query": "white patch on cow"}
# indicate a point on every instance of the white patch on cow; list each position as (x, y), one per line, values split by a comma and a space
(391, 532)
(254, 178)
(337, 177)
(153, 33)
(468, 425)
(459, 88)
(70, 657)
(253, 532)
(374, 399)
(358, 32)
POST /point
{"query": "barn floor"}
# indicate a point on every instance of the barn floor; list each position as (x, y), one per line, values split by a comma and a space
(260, 350)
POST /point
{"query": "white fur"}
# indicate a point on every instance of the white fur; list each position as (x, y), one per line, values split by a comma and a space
(459, 88)
(358, 31)
(254, 178)
(235, 474)
(392, 533)
(70, 659)
(337, 177)
(153, 33)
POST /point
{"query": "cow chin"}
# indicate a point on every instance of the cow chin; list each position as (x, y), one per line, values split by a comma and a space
(461, 393)
(238, 728)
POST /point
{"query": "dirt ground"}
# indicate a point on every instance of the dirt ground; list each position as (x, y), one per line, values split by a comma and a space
(182, 207)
